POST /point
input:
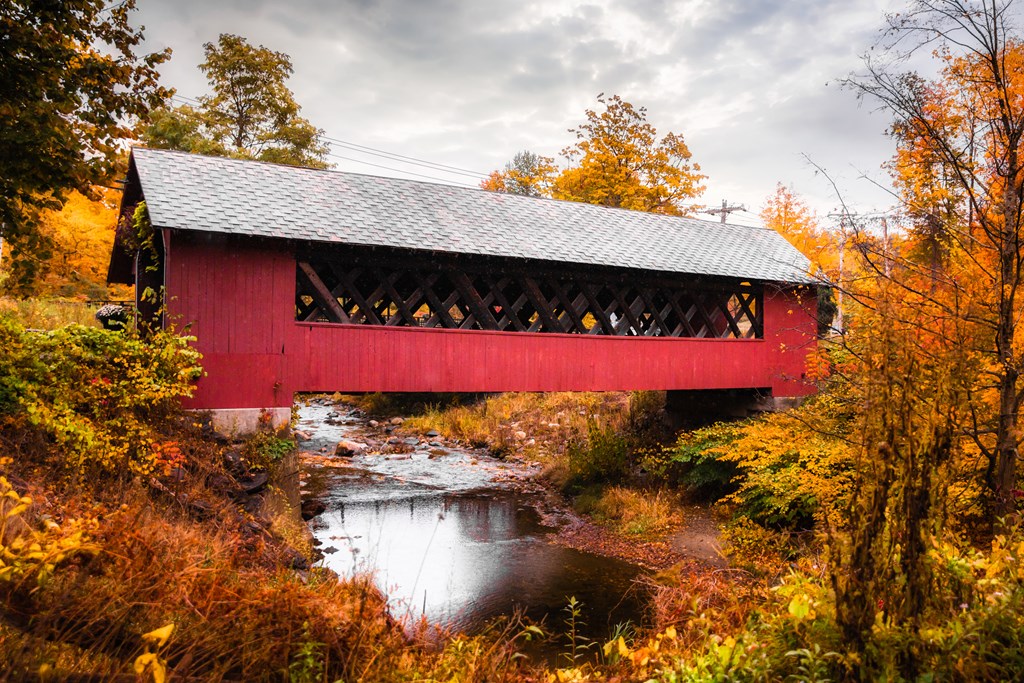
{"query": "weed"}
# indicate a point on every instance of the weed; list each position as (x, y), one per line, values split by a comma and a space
(307, 664)
(264, 449)
(630, 511)
(577, 646)
(603, 456)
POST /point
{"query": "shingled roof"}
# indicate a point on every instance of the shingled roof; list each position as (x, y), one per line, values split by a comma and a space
(213, 194)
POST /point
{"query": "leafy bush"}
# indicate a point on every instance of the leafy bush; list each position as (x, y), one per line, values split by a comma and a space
(262, 450)
(95, 395)
(694, 461)
(604, 456)
(30, 552)
(784, 470)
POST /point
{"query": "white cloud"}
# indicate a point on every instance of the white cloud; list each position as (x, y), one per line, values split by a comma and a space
(470, 83)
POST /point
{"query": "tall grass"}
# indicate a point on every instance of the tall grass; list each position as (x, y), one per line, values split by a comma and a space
(49, 314)
(630, 511)
(540, 426)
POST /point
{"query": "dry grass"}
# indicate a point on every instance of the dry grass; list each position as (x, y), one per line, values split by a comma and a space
(698, 602)
(220, 575)
(49, 314)
(631, 511)
(538, 426)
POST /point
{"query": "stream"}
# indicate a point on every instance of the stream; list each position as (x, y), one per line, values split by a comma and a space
(452, 534)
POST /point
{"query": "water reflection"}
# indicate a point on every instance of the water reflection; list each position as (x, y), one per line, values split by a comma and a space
(461, 560)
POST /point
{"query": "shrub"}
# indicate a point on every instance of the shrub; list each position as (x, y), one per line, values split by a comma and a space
(95, 395)
(784, 470)
(630, 511)
(603, 456)
(263, 450)
(695, 462)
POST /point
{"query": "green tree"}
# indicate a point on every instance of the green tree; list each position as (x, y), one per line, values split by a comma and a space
(527, 174)
(71, 88)
(619, 161)
(252, 114)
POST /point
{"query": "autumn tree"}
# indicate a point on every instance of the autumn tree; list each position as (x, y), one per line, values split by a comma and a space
(788, 214)
(960, 143)
(618, 160)
(527, 174)
(81, 238)
(252, 114)
(71, 88)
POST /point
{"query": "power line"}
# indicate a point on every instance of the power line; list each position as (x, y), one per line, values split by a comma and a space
(725, 210)
(379, 152)
(398, 170)
(392, 156)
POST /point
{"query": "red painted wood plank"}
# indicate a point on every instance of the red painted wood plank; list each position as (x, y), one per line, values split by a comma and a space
(240, 301)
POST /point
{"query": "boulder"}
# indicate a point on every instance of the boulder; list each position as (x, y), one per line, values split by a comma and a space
(374, 424)
(253, 483)
(346, 448)
(312, 508)
(431, 434)
(397, 421)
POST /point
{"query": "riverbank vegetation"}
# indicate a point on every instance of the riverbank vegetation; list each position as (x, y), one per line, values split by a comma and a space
(874, 533)
(132, 541)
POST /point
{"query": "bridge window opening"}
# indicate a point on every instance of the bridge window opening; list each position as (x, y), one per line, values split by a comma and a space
(437, 296)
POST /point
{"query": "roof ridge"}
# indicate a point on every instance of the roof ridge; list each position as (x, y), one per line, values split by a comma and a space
(222, 195)
(515, 197)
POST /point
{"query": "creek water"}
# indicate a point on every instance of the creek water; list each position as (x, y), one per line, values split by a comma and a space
(447, 537)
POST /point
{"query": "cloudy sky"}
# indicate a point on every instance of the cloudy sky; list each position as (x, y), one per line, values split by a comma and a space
(752, 85)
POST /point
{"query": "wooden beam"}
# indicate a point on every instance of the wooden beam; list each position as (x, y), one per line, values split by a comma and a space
(321, 295)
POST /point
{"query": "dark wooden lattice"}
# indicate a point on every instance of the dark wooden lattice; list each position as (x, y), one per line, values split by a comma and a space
(457, 296)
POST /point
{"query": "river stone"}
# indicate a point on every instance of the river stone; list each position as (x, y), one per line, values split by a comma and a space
(431, 434)
(531, 442)
(373, 423)
(303, 436)
(520, 435)
(346, 448)
(312, 508)
(397, 421)
(411, 441)
(436, 444)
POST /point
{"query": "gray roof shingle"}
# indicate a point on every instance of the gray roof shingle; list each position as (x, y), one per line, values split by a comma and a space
(212, 194)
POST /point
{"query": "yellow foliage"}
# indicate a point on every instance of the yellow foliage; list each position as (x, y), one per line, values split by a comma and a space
(786, 213)
(619, 161)
(82, 236)
(151, 661)
(27, 552)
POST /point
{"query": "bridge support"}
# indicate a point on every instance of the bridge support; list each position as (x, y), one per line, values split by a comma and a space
(233, 422)
(690, 409)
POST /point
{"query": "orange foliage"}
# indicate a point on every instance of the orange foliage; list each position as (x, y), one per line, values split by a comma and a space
(786, 213)
(619, 161)
(82, 236)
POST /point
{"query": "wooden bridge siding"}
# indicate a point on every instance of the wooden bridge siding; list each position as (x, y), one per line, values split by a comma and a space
(404, 359)
(238, 300)
(790, 333)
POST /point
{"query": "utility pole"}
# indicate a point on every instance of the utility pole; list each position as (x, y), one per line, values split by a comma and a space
(725, 210)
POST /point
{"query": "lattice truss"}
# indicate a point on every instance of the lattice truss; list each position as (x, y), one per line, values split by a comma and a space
(422, 295)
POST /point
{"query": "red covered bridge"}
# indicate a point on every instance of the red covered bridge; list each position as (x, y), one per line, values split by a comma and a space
(296, 280)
